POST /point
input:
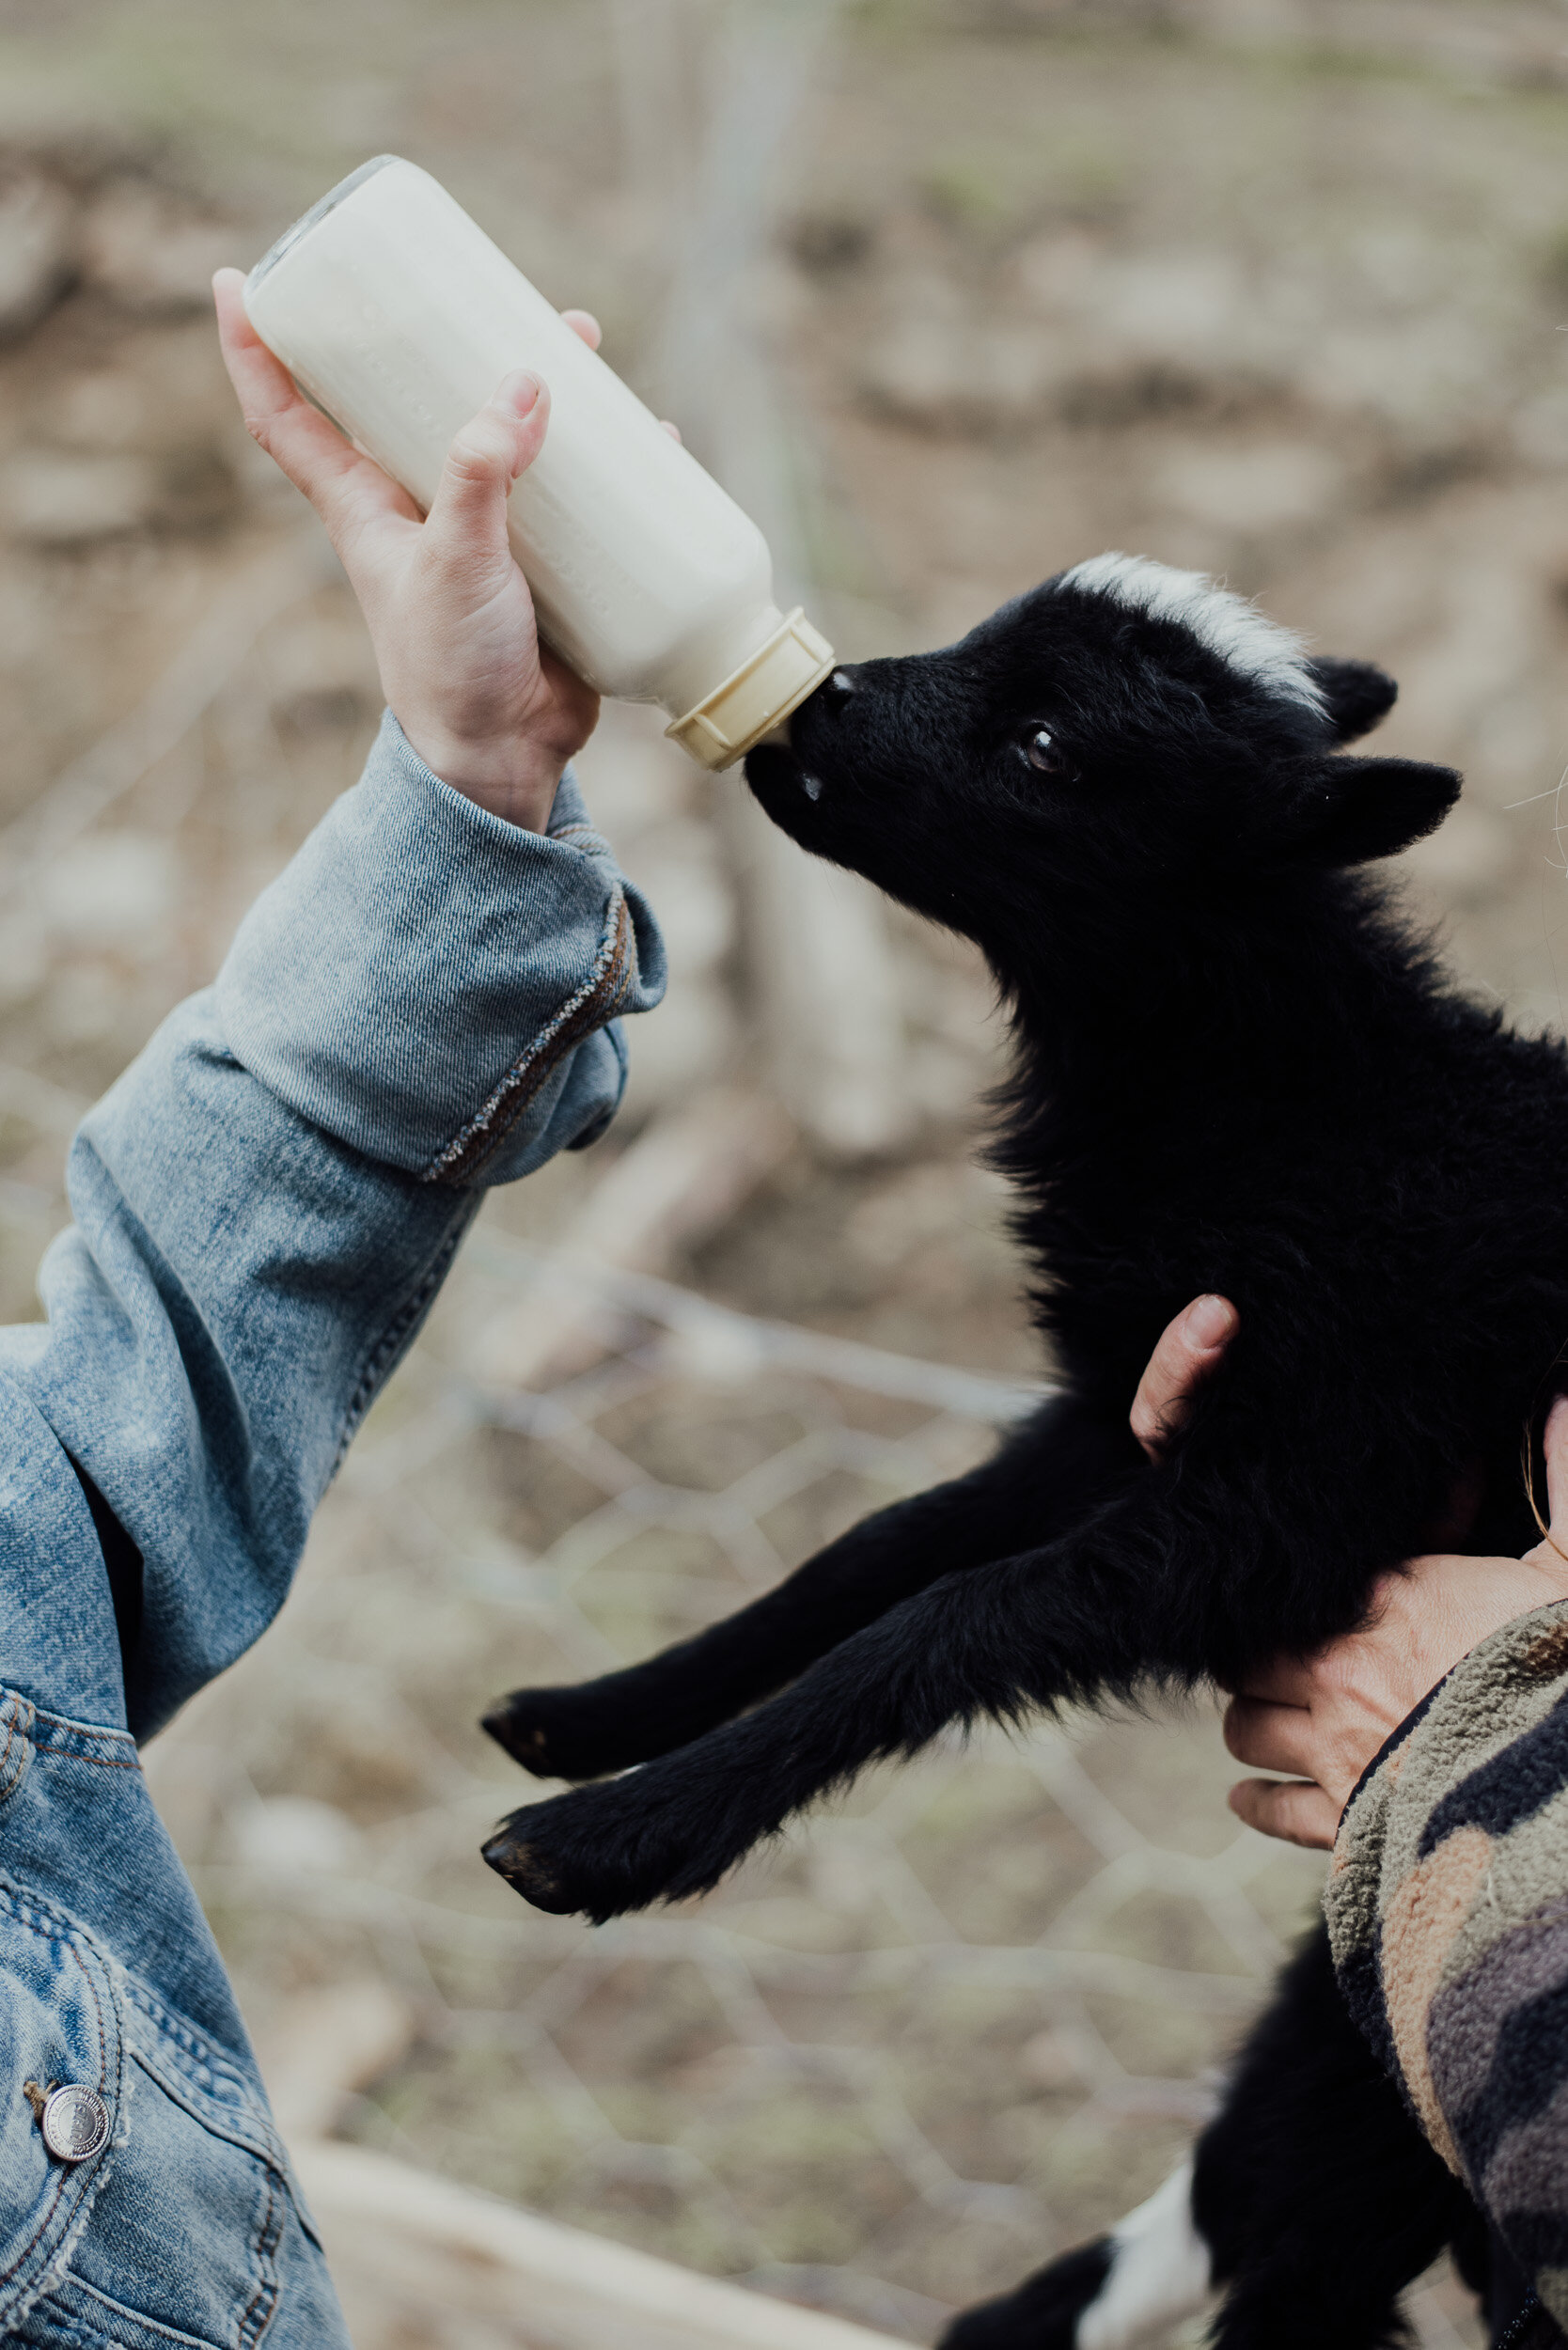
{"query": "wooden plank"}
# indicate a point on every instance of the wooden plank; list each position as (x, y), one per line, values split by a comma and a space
(425, 2263)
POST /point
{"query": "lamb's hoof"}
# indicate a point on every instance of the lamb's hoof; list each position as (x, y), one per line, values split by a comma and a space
(554, 1734)
(515, 1860)
(587, 1852)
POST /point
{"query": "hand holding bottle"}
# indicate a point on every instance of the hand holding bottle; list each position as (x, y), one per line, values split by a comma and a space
(490, 711)
(394, 312)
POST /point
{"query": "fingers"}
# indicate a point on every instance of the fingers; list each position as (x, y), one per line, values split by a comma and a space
(1293, 1810)
(468, 516)
(1296, 1682)
(1189, 1350)
(1271, 1737)
(343, 485)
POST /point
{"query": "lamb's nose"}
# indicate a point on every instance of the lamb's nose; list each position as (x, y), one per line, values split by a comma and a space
(830, 696)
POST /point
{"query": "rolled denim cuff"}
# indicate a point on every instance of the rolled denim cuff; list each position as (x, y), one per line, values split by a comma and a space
(434, 986)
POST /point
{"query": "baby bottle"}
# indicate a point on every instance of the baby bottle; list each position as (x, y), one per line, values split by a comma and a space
(397, 314)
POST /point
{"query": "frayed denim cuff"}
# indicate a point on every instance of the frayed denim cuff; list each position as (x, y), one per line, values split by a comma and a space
(434, 986)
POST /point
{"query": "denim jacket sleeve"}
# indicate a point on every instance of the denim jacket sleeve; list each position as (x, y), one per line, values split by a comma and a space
(267, 1201)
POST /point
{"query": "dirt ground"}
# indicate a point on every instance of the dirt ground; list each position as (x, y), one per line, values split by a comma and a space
(1275, 288)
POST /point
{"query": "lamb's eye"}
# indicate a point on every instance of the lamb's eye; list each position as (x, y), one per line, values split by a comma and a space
(1037, 746)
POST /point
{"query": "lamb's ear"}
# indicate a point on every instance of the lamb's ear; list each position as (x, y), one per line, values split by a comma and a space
(1347, 810)
(1357, 697)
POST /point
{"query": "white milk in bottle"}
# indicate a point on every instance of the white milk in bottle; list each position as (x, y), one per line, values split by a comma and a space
(395, 313)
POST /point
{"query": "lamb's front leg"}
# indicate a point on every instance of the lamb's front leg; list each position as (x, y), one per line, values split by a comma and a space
(1051, 1471)
(999, 1640)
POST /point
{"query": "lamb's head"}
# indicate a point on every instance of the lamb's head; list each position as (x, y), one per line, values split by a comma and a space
(1124, 739)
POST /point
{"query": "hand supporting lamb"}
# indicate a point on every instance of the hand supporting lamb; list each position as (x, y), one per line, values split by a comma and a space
(1324, 1718)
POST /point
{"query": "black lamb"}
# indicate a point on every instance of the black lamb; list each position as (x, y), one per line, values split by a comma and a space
(1236, 1071)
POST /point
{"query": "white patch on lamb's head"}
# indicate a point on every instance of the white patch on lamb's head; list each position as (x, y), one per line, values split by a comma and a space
(1241, 635)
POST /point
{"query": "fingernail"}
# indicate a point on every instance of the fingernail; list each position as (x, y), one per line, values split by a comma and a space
(520, 392)
(1211, 1321)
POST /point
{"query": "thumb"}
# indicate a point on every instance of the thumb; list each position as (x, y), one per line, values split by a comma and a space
(1190, 1348)
(1293, 1810)
(467, 519)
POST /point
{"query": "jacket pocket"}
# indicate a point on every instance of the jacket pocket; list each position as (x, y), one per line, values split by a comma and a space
(59, 2025)
(185, 2241)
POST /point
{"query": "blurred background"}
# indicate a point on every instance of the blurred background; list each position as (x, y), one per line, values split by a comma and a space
(950, 292)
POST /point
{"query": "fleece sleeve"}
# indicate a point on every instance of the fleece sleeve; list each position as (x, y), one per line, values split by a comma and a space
(1447, 1911)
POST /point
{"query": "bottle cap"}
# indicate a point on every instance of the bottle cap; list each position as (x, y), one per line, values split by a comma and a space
(757, 695)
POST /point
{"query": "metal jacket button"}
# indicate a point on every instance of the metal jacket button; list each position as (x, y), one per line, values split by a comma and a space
(75, 2124)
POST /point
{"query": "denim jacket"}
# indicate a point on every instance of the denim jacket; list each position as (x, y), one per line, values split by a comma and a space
(266, 1203)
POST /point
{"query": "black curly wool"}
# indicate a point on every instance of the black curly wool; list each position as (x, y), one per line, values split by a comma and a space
(1236, 1070)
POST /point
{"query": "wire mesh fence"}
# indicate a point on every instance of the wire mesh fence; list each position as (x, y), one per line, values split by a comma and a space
(950, 2027)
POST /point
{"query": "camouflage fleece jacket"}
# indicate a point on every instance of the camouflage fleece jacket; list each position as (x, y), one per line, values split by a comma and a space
(1448, 1910)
